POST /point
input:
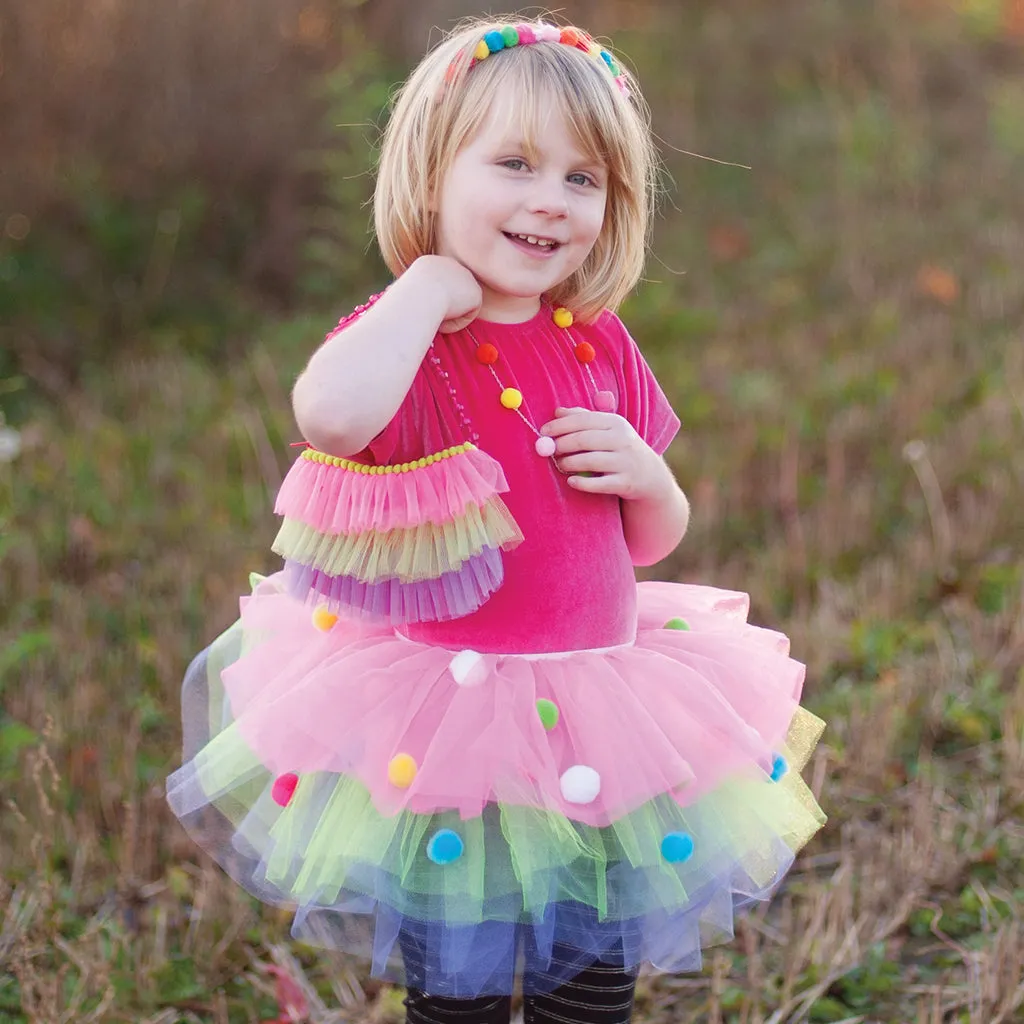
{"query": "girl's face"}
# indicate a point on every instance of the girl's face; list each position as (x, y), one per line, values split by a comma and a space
(521, 225)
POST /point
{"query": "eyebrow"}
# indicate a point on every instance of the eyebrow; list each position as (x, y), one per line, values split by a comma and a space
(517, 142)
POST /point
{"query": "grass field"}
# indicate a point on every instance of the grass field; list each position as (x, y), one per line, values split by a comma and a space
(839, 325)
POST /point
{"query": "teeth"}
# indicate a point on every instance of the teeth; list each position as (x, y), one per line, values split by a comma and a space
(534, 240)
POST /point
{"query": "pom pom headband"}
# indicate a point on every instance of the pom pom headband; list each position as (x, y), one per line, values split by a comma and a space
(508, 36)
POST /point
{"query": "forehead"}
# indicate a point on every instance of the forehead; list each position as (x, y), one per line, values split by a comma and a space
(542, 122)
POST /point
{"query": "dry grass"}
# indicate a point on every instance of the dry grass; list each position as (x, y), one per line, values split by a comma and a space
(844, 352)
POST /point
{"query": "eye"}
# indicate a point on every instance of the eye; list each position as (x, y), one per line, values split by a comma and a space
(579, 178)
(514, 163)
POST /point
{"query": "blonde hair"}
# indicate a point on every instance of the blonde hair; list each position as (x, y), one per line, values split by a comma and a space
(443, 104)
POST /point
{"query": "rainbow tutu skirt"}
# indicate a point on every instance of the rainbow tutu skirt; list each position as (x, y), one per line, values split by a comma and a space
(463, 819)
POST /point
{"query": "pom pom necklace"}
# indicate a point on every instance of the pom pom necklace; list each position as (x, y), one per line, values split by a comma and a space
(487, 354)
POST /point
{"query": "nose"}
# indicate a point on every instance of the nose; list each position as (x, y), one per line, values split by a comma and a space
(548, 196)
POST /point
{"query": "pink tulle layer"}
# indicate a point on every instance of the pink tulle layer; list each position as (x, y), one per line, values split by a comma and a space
(335, 500)
(679, 711)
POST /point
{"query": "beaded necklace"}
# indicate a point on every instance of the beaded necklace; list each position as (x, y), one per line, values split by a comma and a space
(512, 398)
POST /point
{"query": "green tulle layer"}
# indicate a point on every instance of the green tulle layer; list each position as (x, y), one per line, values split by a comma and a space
(330, 843)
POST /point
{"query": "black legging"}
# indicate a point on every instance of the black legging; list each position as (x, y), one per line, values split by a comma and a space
(600, 994)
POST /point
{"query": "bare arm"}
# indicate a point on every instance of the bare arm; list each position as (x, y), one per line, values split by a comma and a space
(603, 454)
(654, 524)
(355, 382)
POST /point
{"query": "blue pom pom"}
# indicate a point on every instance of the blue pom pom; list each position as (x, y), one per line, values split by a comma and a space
(495, 41)
(607, 58)
(779, 767)
(445, 846)
(677, 847)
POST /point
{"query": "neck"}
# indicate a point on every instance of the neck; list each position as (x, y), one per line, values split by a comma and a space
(508, 309)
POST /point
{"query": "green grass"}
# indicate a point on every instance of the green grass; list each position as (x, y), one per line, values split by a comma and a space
(843, 348)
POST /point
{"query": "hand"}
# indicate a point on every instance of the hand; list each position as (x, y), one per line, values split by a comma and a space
(606, 444)
(460, 289)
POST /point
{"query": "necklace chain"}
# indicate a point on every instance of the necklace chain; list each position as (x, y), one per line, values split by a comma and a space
(512, 398)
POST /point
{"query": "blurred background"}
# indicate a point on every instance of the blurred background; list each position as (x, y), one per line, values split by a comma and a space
(834, 302)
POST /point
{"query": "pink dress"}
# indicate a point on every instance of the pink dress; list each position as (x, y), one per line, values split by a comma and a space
(580, 764)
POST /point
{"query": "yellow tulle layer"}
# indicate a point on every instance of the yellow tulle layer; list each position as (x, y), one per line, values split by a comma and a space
(418, 553)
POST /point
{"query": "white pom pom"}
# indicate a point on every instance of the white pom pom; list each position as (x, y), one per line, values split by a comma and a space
(580, 784)
(467, 668)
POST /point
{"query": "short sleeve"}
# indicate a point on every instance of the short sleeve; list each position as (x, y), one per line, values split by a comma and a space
(641, 399)
(350, 318)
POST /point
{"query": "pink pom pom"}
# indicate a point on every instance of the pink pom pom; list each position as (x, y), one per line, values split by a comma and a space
(284, 788)
(547, 33)
(604, 401)
(526, 34)
(545, 446)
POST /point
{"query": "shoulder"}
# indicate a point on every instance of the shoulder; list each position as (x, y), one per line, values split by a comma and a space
(610, 332)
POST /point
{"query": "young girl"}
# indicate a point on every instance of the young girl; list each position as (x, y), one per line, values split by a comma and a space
(453, 732)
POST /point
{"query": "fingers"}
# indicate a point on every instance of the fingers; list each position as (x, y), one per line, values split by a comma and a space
(568, 420)
(610, 483)
(586, 441)
(591, 462)
(457, 324)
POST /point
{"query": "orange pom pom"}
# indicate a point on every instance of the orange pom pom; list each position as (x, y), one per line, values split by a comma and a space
(569, 35)
(487, 354)
(585, 352)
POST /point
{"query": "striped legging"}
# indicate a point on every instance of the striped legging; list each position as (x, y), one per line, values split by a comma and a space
(600, 994)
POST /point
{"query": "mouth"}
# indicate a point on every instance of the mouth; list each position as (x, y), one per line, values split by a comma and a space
(533, 243)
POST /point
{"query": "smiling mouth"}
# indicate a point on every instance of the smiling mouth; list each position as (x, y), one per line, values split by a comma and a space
(545, 244)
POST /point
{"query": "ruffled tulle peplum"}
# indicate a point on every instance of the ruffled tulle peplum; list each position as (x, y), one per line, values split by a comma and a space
(416, 542)
(482, 813)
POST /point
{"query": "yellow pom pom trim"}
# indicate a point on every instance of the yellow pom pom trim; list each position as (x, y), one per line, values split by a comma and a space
(402, 770)
(312, 455)
(323, 618)
(511, 398)
(562, 317)
(482, 50)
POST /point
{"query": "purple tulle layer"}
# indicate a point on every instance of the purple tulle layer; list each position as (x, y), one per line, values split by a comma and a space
(411, 944)
(485, 959)
(449, 596)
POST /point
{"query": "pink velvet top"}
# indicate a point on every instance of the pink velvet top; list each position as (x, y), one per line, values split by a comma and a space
(570, 584)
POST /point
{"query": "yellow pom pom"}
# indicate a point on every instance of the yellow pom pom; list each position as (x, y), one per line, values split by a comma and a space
(431, 459)
(402, 770)
(481, 50)
(323, 618)
(562, 317)
(511, 398)
(421, 462)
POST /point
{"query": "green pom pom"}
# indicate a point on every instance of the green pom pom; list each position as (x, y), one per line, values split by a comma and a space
(510, 35)
(676, 624)
(548, 711)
